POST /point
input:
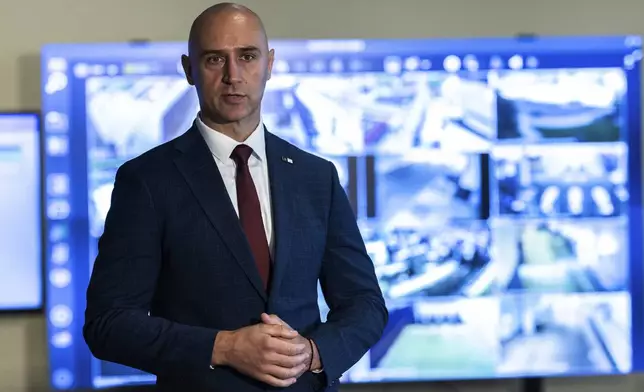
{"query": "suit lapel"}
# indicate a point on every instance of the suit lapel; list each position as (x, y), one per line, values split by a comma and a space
(280, 170)
(200, 171)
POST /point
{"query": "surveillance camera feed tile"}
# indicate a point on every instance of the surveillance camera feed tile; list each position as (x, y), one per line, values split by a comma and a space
(492, 181)
(20, 212)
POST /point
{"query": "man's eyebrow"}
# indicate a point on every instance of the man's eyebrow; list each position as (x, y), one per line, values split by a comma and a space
(249, 48)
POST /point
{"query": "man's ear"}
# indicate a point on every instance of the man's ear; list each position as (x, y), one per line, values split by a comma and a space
(271, 58)
(187, 69)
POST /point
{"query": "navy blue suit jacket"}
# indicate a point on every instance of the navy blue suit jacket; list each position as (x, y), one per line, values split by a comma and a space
(173, 246)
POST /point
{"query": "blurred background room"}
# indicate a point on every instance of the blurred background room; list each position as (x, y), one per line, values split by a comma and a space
(536, 270)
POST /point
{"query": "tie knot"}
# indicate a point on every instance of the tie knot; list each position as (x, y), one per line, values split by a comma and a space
(241, 154)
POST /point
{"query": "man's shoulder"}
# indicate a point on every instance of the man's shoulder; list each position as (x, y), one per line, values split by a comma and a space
(304, 158)
(153, 161)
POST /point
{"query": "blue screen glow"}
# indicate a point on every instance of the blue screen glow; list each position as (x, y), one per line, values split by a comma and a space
(496, 183)
(21, 286)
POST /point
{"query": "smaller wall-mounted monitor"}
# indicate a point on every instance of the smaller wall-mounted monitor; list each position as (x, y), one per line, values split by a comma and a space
(21, 267)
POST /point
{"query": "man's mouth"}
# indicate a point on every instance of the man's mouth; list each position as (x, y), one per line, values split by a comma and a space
(233, 98)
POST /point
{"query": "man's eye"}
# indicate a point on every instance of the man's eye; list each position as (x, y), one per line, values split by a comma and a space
(214, 60)
(248, 57)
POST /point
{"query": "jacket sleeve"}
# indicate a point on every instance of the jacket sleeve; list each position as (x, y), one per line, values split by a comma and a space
(358, 314)
(118, 327)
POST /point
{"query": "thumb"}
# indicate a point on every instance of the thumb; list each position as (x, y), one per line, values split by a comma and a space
(267, 319)
(273, 320)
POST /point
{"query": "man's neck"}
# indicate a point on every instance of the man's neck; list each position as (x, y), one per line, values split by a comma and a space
(239, 130)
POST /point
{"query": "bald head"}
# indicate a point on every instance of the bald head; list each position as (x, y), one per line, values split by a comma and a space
(223, 13)
(229, 63)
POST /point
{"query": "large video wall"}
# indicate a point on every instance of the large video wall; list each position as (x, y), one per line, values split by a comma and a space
(493, 181)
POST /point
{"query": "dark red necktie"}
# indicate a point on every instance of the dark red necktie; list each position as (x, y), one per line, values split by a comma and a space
(250, 212)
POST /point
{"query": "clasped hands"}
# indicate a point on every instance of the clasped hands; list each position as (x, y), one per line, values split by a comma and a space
(271, 352)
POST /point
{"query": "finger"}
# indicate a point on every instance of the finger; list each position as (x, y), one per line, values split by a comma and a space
(276, 382)
(283, 373)
(289, 361)
(280, 331)
(286, 347)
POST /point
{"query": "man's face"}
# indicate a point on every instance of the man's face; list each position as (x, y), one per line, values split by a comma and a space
(229, 65)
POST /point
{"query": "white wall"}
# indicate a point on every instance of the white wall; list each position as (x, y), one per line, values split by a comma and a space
(27, 24)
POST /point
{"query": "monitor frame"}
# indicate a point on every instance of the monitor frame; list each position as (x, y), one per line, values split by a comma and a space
(37, 114)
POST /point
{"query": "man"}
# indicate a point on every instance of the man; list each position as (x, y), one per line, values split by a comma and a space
(214, 243)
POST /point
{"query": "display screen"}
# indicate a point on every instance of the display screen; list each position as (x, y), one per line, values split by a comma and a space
(495, 181)
(21, 258)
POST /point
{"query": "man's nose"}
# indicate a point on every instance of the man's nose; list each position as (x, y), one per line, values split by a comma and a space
(232, 72)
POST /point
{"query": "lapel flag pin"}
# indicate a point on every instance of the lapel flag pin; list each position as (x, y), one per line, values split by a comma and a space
(287, 160)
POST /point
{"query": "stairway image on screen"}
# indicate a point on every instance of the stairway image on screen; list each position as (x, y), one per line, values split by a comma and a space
(493, 196)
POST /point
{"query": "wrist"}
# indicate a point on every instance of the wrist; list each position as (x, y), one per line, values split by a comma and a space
(223, 346)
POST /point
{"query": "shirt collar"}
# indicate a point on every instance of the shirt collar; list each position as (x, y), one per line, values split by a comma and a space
(222, 146)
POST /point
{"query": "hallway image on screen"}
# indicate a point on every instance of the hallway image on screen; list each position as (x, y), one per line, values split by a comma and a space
(563, 256)
(565, 334)
(434, 338)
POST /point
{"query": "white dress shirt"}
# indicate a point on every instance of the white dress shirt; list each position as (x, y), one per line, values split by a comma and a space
(221, 147)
